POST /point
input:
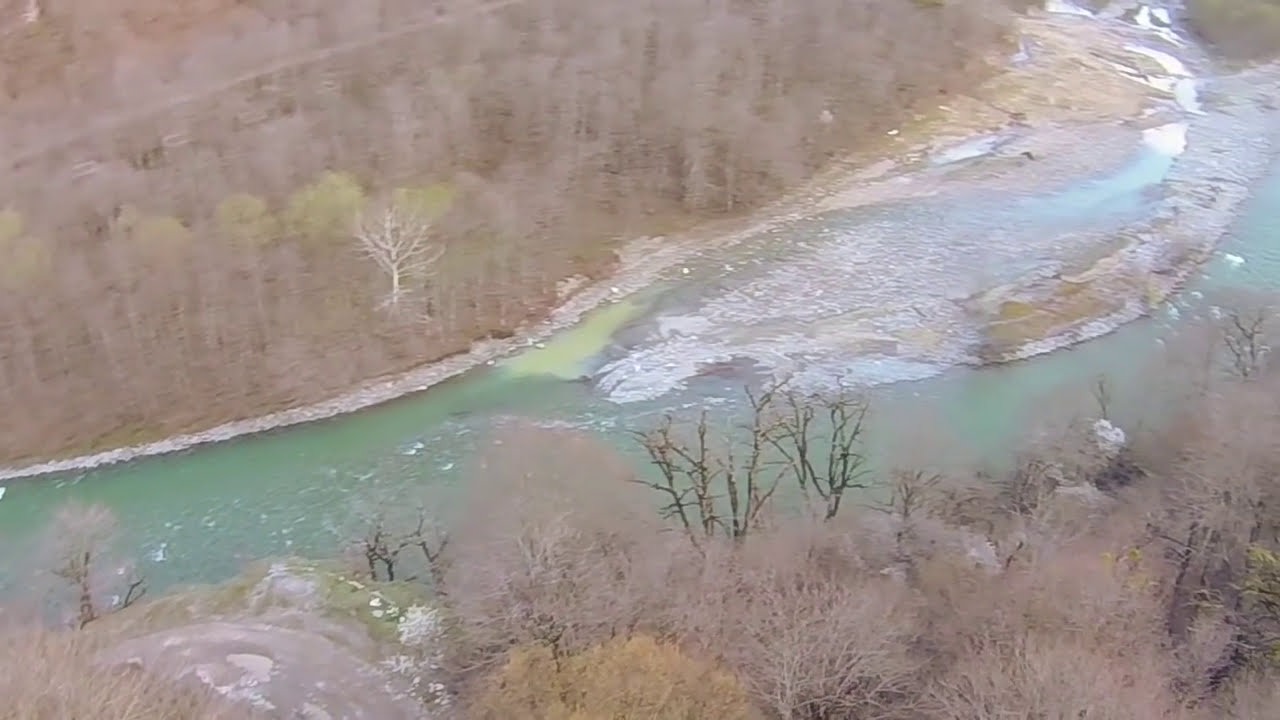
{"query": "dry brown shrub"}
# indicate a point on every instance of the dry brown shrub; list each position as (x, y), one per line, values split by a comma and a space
(1253, 696)
(47, 675)
(635, 678)
(826, 649)
(1053, 676)
(551, 546)
(1071, 630)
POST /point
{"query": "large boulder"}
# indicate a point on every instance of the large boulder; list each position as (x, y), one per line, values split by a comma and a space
(292, 638)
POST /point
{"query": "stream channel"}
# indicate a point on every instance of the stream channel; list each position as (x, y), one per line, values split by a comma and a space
(768, 304)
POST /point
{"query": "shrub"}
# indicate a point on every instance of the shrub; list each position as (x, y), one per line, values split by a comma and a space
(630, 678)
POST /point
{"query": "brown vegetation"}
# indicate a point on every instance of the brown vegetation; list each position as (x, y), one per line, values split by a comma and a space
(631, 678)
(179, 229)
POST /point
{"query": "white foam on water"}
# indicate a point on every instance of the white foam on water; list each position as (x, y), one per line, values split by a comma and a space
(1066, 7)
(1162, 25)
(1170, 139)
(1233, 260)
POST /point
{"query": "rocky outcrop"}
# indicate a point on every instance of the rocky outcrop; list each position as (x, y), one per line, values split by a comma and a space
(292, 639)
(278, 671)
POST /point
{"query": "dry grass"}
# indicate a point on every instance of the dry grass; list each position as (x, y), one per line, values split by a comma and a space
(47, 675)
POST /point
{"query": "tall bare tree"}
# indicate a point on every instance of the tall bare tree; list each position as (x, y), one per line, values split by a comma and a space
(399, 240)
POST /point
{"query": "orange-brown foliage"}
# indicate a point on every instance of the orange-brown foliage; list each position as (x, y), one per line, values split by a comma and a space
(634, 678)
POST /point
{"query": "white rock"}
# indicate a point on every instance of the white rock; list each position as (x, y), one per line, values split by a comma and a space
(1170, 139)
(257, 667)
(1110, 438)
(1066, 7)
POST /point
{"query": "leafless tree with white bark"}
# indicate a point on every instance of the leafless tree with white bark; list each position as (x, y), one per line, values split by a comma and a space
(399, 240)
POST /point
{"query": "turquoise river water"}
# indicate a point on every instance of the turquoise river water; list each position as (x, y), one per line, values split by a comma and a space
(200, 515)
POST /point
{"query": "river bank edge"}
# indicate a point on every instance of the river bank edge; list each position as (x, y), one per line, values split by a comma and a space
(641, 263)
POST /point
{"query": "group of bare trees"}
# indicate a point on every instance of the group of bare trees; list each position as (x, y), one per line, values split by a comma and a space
(228, 239)
(712, 487)
(827, 589)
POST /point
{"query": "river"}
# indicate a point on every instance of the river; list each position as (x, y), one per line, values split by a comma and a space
(748, 310)
(201, 514)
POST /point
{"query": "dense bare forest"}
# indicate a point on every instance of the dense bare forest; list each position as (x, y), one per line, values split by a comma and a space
(1129, 579)
(189, 238)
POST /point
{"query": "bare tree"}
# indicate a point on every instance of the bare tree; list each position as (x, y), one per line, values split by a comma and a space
(81, 540)
(1101, 391)
(1244, 334)
(399, 240)
(381, 546)
(836, 438)
(911, 497)
(721, 484)
(709, 488)
(550, 547)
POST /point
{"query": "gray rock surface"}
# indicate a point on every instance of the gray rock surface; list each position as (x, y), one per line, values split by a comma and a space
(282, 672)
